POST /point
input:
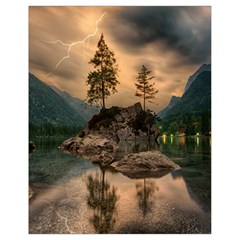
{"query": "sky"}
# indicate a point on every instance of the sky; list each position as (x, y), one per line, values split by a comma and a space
(172, 42)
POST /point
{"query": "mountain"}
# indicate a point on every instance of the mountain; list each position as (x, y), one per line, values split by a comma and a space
(196, 97)
(86, 110)
(191, 79)
(46, 106)
(174, 100)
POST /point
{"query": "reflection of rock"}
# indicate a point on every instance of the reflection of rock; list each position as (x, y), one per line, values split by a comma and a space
(145, 164)
(145, 173)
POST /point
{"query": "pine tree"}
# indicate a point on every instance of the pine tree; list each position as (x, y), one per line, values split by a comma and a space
(145, 90)
(103, 80)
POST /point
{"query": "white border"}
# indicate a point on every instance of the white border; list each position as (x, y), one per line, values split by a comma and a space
(14, 118)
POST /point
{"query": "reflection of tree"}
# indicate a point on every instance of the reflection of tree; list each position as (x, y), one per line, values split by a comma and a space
(145, 195)
(102, 200)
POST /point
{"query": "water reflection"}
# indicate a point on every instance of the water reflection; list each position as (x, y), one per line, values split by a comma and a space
(145, 195)
(81, 198)
(102, 200)
(164, 139)
(126, 147)
(182, 141)
(198, 141)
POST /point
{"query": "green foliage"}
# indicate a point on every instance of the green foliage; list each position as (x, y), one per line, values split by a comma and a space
(143, 121)
(206, 122)
(139, 123)
(103, 80)
(193, 111)
(173, 128)
(48, 129)
(104, 118)
(193, 123)
(145, 90)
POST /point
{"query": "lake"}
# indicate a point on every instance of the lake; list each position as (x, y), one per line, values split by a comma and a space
(72, 195)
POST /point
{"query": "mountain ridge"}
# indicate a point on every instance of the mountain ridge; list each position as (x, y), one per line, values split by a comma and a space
(180, 101)
(80, 106)
(192, 78)
(46, 106)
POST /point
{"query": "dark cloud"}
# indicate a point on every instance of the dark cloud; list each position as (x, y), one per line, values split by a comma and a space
(187, 30)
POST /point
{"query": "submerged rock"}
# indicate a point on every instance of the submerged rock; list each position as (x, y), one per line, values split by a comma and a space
(145, 164)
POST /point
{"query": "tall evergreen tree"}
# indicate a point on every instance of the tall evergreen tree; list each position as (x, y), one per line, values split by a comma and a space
(145, 89)
(103, 80)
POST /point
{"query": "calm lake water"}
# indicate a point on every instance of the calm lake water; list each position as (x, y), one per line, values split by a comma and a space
(72, 195)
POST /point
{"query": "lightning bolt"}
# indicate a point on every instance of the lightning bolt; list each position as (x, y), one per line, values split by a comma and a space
(70, 45)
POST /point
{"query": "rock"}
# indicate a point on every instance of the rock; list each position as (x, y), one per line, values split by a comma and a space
(132, 111)
(122, 124)
(30, 192)
(142, 134)
(71, 144)
(118, 118)
(138, 107)
(124, 114)
(106, 158)
(150, 163)
(32, 146)
(90, 144)
(101, 142)
(124, 133)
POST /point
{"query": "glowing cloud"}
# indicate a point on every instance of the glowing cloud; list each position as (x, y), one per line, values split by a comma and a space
(70, 45)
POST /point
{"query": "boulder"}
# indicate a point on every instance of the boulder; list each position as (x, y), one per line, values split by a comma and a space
(124, 114)
(90, 145)
(121, 124)
(131, 111)
(105, 158)
(71, 144)
(145, 164)
(118, 118)
(124, 133)
(138, 107)
(32, 146)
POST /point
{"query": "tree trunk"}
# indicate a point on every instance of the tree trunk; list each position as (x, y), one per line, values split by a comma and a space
(103, 87)
(144, 98)
(103, 97)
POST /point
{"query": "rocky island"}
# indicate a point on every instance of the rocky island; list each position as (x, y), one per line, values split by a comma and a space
(98, 141)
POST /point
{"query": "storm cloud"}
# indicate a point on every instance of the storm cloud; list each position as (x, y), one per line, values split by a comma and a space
(186, 30)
